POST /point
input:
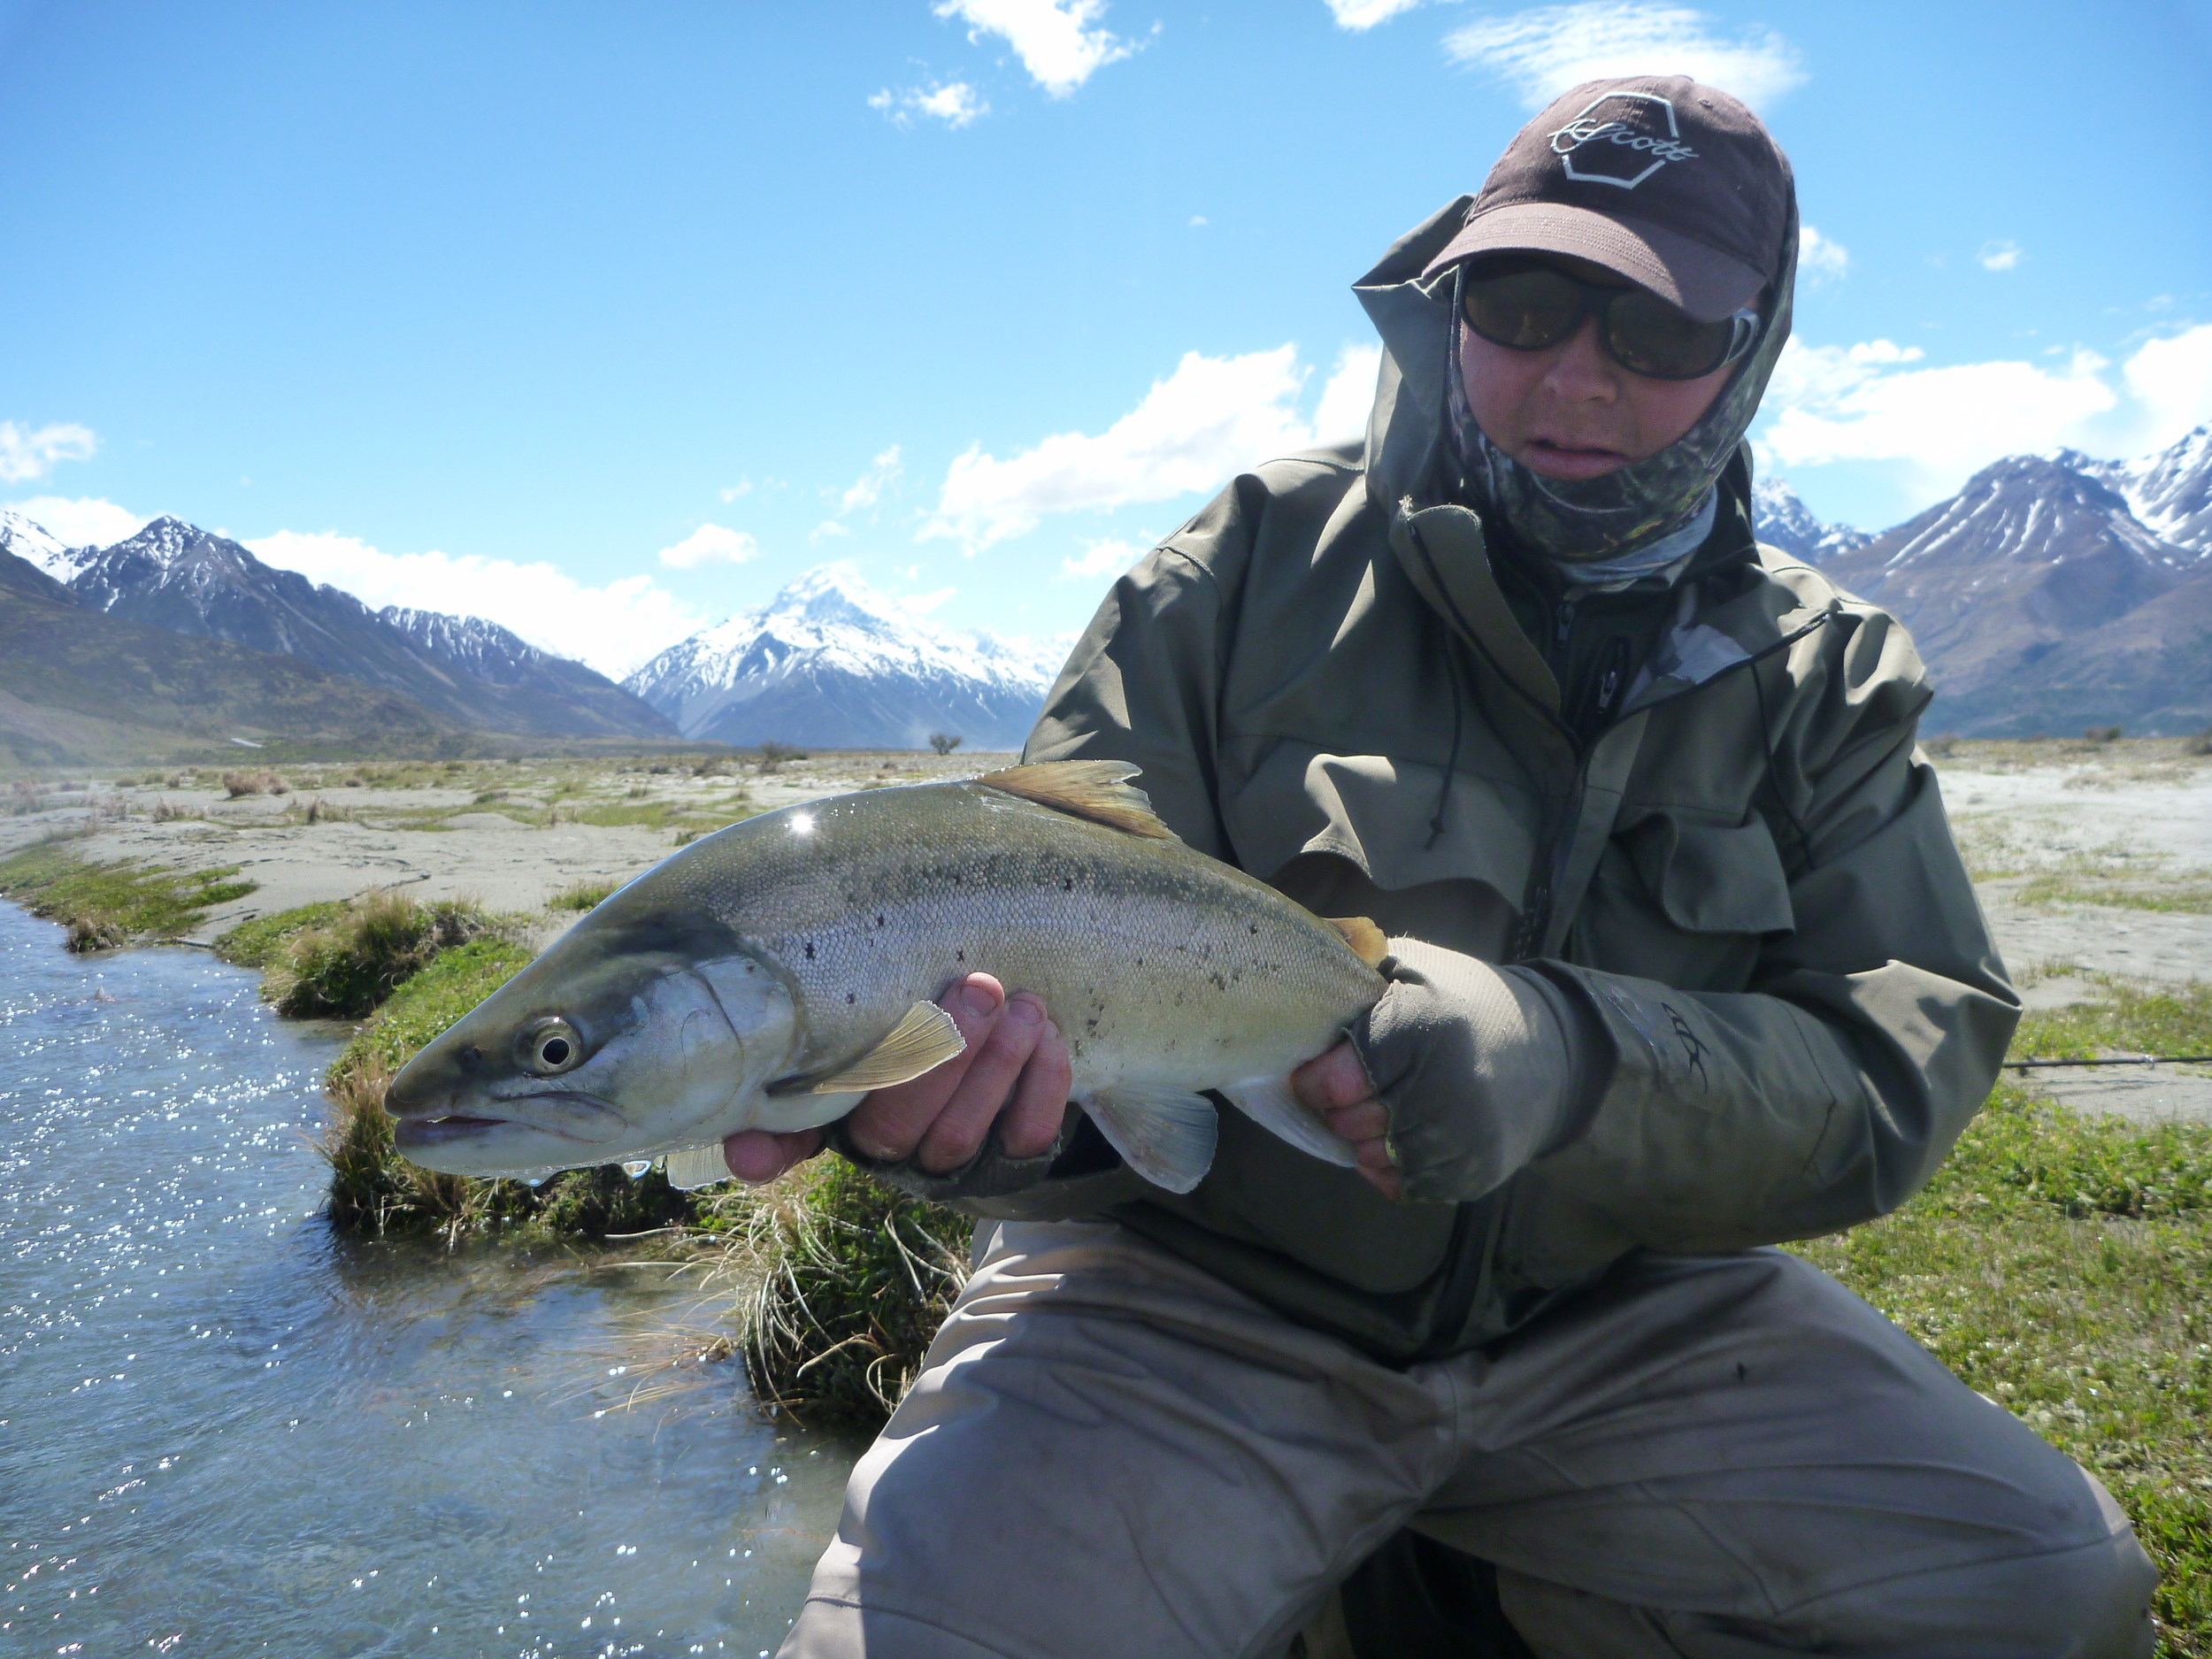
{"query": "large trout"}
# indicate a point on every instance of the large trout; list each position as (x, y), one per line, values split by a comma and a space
(770, 975)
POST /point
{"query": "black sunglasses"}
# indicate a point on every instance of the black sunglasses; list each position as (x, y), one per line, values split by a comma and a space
(1527, 305)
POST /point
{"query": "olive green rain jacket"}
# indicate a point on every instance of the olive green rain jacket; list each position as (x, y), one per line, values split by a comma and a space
(1716, 838)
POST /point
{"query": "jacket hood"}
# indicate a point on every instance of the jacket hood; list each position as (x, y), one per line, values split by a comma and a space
(1413, 449)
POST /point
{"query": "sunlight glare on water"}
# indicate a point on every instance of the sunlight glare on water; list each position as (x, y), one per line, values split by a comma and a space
(225, 1431)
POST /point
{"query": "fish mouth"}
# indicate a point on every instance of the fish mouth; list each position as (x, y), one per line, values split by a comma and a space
(564, 1115)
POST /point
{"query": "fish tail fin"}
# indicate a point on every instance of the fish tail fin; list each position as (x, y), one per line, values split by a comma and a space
(1166, 1135)
(1268, 1102)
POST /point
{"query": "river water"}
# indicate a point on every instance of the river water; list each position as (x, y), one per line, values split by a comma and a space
(224, 1431)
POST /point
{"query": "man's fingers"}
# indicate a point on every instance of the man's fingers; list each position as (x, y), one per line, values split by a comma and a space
(1370, 1120)
(1336, 1079)
(992, 1071)
(1041, 1099)
(891, 1122)
(760, 1155)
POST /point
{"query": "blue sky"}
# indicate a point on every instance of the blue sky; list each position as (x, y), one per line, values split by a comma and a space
(605, 321)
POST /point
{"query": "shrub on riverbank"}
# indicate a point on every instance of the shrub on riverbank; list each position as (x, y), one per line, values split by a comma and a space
(259, 942)
(346, 967)
(583, 896)
(112, 903)
(846, 1280)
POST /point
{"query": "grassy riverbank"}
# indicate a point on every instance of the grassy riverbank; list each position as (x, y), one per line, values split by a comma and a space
(106, 906)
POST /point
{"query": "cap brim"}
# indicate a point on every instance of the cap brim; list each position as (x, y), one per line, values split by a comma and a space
(1710, 285)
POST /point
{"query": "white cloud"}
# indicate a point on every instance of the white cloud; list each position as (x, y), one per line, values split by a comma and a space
(1100, 559)
(29, 452)
(613, 627)
(1365, 14)
(1193, 429)
(922, 604)
(1820, 257)
(956, 104)
(1936, 424)
(737, 491)
(86, 521)
(710, 544)
(1198, 221)
(828, 528)
(1349, 397)
(2171, 378)
(1546, 50)
(883, 475)
(2001, 256)
(1052, 38)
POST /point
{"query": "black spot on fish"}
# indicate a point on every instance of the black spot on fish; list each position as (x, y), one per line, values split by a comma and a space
(849, 999)
(1255, 929)
(1068, 885)
(879, 919)
(1090, 1025)
(810, 950)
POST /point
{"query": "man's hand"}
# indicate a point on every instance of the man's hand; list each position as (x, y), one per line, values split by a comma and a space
(1335, 1087)
(1014, 1071)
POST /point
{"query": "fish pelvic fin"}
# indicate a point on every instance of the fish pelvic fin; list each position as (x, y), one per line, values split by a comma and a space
(922, 1041)
(1098, 790)
(1268, 1102)
(1365, 939)
(697, 1166)
(1166, 1135)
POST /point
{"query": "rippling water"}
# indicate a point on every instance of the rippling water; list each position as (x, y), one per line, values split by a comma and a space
(224, 1430)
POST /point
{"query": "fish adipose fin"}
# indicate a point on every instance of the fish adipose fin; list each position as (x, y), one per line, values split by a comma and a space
(1268, 1102)
(1096, 789)
(1365, 939)
(696, 1166)
(1166, 1135)
(924, 1040)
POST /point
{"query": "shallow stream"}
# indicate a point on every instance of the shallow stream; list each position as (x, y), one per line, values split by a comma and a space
(224, 1431)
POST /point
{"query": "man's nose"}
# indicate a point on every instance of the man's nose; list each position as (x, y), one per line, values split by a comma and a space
(1581, 373)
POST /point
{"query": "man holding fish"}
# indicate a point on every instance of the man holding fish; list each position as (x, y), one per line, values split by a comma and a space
(1467, 1341)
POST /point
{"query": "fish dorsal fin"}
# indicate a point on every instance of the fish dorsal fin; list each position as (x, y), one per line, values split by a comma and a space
(696, 1166)
(924, 1040)
(1365, 939)
(1096, 789)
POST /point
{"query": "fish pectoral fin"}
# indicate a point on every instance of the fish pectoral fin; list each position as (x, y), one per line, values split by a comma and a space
(924, 1040)
(1365, 939)
(1268, 1102)
(1096, 789)
(696, 1166)
(1166, 1135)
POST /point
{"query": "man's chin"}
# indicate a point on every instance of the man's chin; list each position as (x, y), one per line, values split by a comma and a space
(1569, 466)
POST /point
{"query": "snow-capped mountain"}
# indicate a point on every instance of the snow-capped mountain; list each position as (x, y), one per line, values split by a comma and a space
(2019, 586)
(2170, 491)
(831, 662)
(1780, 518)
(37, 545)
(471, 673)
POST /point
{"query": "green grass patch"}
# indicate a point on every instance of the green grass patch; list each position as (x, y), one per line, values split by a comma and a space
(349, 967)
(847, 1282)
(2061, 1265)
(2133, 1019)
(256, 943)
(2192, 898)
(109, 903)
(583, 896)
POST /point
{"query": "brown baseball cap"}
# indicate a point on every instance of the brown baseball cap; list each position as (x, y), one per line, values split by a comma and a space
(1673, 185)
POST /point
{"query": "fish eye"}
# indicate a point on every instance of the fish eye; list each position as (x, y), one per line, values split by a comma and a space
(550, 1046)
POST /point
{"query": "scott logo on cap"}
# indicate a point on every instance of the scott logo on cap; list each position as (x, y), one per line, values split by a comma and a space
(1611, 149)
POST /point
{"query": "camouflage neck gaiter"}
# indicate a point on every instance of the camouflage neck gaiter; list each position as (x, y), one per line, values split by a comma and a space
(1576, 522)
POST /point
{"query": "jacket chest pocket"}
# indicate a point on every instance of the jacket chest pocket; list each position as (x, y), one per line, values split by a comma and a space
(1684, 902)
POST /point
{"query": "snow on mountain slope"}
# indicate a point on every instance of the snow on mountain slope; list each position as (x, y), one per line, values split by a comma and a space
(1780, 518)
(832, 663)
(2171, 490)
(40, 546)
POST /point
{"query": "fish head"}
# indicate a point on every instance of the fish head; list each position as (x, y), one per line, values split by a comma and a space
(611, 1046)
